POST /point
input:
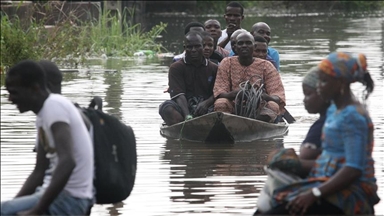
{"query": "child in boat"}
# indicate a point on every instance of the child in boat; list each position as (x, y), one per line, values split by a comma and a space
(261, 50)
(213, 27)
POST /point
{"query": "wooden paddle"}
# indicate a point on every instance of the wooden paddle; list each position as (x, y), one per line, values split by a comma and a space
(287, 116)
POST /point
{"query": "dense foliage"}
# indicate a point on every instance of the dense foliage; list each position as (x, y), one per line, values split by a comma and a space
(71, 41)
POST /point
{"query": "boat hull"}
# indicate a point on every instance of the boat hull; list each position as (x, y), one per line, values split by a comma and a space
(219, 127)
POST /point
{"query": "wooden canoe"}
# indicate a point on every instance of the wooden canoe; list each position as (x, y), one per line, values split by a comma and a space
(217, 127)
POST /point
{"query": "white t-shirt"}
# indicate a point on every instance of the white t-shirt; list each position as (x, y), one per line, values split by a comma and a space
(57, 108)
(224, 35)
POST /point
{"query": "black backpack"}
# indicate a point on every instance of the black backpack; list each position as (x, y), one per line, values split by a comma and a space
(115, 155)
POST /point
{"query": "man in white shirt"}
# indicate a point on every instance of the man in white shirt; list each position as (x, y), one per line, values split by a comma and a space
(234, 15)
(62, 180)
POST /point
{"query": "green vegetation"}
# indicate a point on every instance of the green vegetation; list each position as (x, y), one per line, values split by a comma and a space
(71, 41)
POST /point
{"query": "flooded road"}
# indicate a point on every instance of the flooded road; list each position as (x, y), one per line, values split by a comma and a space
(179, 178)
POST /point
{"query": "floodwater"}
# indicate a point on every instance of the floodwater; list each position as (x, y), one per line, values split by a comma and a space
(178, 178)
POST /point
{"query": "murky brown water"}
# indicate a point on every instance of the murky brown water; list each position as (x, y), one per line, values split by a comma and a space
(178, 178)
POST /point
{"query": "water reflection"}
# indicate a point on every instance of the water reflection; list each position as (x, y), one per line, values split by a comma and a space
(176, 178)
(204, 174)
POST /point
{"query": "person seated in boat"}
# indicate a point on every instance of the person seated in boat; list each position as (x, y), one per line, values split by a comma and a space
(208, 48)
(261, 50)
(192, 26)
(234, 70)
(262, 29)
(233, 41)
(341, 180)
(213, 27)
(310, 148)
(190, 82)
(234, 15)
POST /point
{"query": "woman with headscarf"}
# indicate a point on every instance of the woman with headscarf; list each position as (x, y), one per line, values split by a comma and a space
(314, 104)
(341, 180)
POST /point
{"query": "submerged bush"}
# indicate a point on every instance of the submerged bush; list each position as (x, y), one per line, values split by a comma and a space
(70, 41)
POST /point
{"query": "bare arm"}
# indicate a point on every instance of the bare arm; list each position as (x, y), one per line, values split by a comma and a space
(35, 179)
(182, 102)
(230, 95)
(203, 106)
(63, 139)
(274, 98)
(224, 42)
(306, 166)
(342, 179)
(308, 153)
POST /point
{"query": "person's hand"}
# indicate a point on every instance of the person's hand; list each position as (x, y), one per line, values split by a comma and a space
(166, 89)
(230, 29)
(264, 96)
(202, 108)
(300, 204)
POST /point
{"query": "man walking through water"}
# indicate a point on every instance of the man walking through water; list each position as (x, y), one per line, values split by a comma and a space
(62, 180)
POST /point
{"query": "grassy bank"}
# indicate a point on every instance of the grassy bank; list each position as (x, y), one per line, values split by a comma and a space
(71, 41)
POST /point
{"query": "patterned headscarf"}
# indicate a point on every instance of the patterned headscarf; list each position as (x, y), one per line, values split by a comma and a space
(311, 77)
(345, 65)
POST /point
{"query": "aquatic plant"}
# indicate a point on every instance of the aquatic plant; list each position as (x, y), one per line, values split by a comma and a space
(71, 41)
(16, 44)
(119, 36)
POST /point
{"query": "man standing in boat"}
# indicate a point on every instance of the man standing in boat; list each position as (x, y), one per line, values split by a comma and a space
(234, 15)
(190, 81)
(237, 69)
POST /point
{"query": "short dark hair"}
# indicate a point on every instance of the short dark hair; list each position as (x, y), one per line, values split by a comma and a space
(192, 24)
(260, 39)
(194, 33)
(29, 72)
(236, 5)
(205, 34)
(52, 72)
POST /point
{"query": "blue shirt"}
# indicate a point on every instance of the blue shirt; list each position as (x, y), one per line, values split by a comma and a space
(273, 62)
(274, 54)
